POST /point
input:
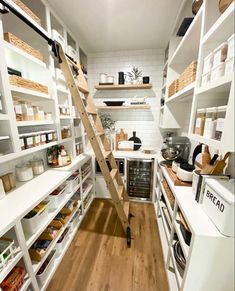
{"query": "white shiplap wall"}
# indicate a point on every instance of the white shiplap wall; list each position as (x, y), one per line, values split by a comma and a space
(144, 122)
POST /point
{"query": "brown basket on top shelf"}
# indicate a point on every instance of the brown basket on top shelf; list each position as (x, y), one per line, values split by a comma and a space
(173, 88)
(188, 76)
(27, 84)
(12, 39)
(169, 193)
(28, 11)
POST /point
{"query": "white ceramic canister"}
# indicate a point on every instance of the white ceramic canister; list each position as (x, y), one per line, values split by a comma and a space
(103, 78)
(110, 79)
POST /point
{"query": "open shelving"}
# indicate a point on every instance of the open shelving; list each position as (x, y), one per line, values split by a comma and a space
(123, 87)
(182, 95)
(131, 107)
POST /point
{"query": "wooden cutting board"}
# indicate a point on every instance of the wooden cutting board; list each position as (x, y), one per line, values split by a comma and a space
(120, 137)
(175, 179)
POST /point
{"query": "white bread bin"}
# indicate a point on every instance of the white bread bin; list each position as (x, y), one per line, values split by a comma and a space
(218, 203)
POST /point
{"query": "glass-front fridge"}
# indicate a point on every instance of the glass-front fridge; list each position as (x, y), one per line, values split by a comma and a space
(140, 178)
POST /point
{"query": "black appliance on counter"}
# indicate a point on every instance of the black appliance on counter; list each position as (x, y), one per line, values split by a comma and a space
(120, 164)
(140, 178)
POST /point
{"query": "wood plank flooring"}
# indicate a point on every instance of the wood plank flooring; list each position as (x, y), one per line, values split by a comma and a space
(99, 260)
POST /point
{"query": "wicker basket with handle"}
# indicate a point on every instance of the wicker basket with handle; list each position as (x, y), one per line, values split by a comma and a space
(27, 84)
(14, 40)
(28, 11)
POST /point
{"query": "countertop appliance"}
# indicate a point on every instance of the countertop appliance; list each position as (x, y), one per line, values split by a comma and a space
(140, 178)
(120, 164)
(176, 147)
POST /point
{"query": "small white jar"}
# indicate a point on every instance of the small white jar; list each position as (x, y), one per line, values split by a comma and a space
(24, 172)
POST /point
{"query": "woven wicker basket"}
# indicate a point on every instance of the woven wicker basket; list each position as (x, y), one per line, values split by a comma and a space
(11, 38)
(27, 84)
(169, 193)
(173, 88)
(28, 11)
(188, 76)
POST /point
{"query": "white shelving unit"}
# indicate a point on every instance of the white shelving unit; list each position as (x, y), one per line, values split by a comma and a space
(202, 253)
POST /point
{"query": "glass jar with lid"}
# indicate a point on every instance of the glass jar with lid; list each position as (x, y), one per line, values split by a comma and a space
(41, 113)
(36, 139)
(221, 113)
(37, 165)
(48, 116)
(28, 140)
(27, 110)
(200, 121)
(42, 137)
(210, 122)
(24, 172)
(22, 142)
(49, 136)
(18, 109)
(36, 113)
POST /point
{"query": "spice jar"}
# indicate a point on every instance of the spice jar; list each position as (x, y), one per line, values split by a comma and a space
(24, 172)
(47, 115)
(36, 113)
(36, 139)
(18, 109)
(28, 140)
(42, 137)
(37, 166)
(54, 134)
(200, 121)
(49, 136)
(210, 122)
(65, 132)
(27, 110)
(41, 113)
(221, 113)
(22, 142)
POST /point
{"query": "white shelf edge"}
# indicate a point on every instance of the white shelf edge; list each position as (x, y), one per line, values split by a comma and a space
(6, 137)
(11, 263)
(87, 191)
(65, 117)
(182, 94)
(210, 142)
(87, 176)
(220, 21)
(22, 53)
(34, 122)
(29, 92)
(4, 116)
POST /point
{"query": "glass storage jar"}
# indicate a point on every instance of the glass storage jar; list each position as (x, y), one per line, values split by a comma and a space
(65, 132)
(42, 137)
(18, 109)
(210, 122)
(41, 113)
(37, 166)
(36, 139)
(49, 136)
(27, 110)
(47, 115)
(22, 142)
(24, 172)
(36, 113)
(221, 113)
(200, 121)
(28, 140)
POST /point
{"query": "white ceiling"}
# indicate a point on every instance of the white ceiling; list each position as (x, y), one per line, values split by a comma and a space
(110, 25)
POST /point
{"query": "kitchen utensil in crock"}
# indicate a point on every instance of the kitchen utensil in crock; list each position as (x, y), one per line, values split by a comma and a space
(121, 78)
(137, 141)
(196, 6)
(209, 168)
(220, 165)
(206, 157)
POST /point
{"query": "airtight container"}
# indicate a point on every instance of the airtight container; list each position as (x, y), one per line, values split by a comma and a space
(221, 113)
(208, 62)
(200, 121)
(205, 78)
(210, 122)
(231, 49)
(220, 54)
(218, 71)
(230, 65)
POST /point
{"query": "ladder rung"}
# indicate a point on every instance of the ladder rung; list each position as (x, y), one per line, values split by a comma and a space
(83, 90)
(72, 63)
(91, 112)
(126, 208)
(113, 173)
(120, 191)
(100, 133)
(107, 154)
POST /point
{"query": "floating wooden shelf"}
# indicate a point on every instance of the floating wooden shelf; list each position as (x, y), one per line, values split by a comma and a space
(123, 87)
(131, 107)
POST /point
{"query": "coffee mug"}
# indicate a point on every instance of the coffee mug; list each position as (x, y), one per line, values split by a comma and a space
(146, 80)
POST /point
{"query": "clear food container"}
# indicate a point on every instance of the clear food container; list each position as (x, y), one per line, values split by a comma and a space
(37, 166)
(28, 140)
(218, 71)
(24, 172)
(206, 78)
(220, 54)
(18, 109)
(42, 137)
(210, 122)
(230, 65)
(27, 110)
(22, 142)
(208, 62)
(36, 139)
(231, 49)
(221, 113)
(36, 113)
(200, 121)
(49, 136)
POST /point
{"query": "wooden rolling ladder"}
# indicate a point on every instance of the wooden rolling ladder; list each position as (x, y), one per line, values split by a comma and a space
(83, 101)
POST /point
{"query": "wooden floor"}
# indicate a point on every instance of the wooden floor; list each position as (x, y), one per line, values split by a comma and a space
(99, 260)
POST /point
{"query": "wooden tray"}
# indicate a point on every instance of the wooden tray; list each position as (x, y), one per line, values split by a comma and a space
(28, 11)
(27, 84)
(59, 166)
(175, 179)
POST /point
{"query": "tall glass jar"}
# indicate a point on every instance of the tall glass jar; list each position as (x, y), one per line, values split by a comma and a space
(37, 166)
(18, 109)
(24, 172)
(221, 113)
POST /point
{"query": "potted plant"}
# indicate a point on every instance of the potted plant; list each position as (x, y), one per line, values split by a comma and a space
(109, 126)
(134, 75)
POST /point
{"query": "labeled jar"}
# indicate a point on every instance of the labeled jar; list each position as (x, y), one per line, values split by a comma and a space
(49, 136)
(42, 137)
(36, 139)
(18, 110)
(54, 134)
(27, 110)
(24, 172)
(37, 166)
(65, 132)
(28, 140)
(200, 121)
(48, 116)
(221, 113)
(22, 142)
(210, 122)
(41, 113)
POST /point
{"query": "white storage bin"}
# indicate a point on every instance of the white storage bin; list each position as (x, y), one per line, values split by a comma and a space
(58, 37)
(57, 196)
(218, 71)
(230, 65)
(208, 62)
(72, 182)
(218, 203)
(31, 225)
(71, 52)
(205, 78)
(231, 48)
(220, 54)
(47, 265)
(61, 243)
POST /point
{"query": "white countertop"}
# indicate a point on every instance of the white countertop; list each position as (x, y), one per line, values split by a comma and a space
(134, 154)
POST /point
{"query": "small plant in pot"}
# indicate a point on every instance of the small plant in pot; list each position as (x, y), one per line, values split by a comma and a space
(135, 75)
(109, 126)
